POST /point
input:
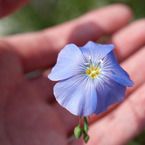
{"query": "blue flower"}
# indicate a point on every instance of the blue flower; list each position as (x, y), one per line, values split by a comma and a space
(90, 79)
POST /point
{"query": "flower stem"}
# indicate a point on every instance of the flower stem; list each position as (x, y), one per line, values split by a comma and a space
(80, 120)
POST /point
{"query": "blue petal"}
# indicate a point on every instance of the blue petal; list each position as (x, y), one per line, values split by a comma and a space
(109, 92)
(96, 51)
(113, 70)
(69, 63)
(77, 94)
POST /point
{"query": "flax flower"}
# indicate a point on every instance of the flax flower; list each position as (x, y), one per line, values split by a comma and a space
(90, 78)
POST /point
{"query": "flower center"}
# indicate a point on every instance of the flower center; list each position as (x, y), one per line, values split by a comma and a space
(93, 70)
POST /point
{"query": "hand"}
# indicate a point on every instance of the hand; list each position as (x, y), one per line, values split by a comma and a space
(29, 114)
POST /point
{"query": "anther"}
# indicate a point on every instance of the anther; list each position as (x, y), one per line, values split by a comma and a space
(86, 63)
(100, 69)
(101, 61)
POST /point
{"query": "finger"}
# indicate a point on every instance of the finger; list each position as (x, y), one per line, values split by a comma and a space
(124, 123)
(134, 66)
(40, 49)
(8, 6)
(129, 39)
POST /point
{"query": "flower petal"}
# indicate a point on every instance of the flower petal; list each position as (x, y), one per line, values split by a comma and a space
(109, 92)
(96, 51)
(113, 70)
(77, 94)
(69, 63)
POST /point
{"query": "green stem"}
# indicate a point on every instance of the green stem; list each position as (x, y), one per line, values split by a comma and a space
(80, 121)
(85, 120)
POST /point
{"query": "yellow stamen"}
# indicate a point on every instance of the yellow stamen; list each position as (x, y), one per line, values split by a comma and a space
(88, 72)
(92, 70)
(93, 75)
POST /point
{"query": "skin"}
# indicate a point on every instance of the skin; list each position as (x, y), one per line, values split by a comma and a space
(29, 113)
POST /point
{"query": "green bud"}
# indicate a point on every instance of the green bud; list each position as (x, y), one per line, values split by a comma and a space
(85, 126)
(86, 138)
(78, 132)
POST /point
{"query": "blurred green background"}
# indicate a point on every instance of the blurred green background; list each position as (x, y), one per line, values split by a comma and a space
(41, 14)
(38, 15)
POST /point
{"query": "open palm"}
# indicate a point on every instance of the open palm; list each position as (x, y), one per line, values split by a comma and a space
(29, 114)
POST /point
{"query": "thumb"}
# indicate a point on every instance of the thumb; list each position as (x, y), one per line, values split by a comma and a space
(9, 6)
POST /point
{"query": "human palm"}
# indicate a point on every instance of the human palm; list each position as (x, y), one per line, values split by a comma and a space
(29, 114)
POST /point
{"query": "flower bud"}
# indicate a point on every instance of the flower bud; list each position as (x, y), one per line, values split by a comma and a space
(78, 132)
(86, 138)
(85, 126)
